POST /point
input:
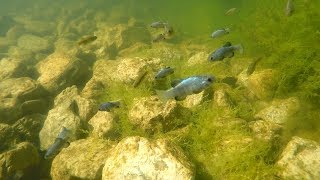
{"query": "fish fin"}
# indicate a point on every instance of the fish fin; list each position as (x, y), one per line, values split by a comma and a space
(240, 48)
(227, 44)
(163, 95)
(175, 82)
(180, 98)
(230, 55)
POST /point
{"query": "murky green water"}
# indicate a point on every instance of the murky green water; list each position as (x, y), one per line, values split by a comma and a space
(287, 44)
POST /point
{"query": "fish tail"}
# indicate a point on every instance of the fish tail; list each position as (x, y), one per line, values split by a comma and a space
(239, 47)
(163, 95)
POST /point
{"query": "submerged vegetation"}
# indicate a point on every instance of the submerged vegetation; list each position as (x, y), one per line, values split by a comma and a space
(217, 139)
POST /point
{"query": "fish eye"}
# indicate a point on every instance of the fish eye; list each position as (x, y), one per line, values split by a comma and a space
(211, 58)
(168, 67)
(209, 79)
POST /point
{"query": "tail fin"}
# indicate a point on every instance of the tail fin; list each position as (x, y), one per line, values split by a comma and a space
(239, 47)
(163, 95)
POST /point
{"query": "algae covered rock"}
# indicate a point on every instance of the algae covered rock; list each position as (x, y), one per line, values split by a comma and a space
(22, 158)
(14, 92)
(300, 160)
(7, 137)
(83, 159)
(93, 89)
(198, 58)
(10, 68)
(152, 115)
(140, 158)
(104, 124)
(70, 111)
(33, 43)
(280, 110)
(60, 70)
(265, 130)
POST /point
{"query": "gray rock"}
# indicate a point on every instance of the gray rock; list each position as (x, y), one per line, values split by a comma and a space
(71, 111)
(104, 125)
(28, 128)
(93, 89)
(10, 68)
(152, 115)
(279, 111)
(60, 70)
(266, 130)
(13, 93)
(83, 159)
(300, 160)
(33, 43)
(24, 156)
(7, 137)
(140, 158)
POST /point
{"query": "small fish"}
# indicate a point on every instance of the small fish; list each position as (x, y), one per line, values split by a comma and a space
(59, 143)
(87, 40)
(159, 38)
(231, 11)
(188, 86)
(289, 8)
(252, 66)
(158, 24)
(225, 51)
(164, 72)
(107, 106)
(220, 32)
(139, 78)
(168, 30)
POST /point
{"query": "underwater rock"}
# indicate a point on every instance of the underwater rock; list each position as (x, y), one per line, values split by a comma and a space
(67, 46)
(104, 124)
(24, 55)
(60, 70)
(22, 158)
(33, 43)
(300, 159)
(265, 130)
(221, 98)
(280, 110)
(262, 84)
(34, 106)
(165, 52)
(14, 92)
(11, 68)
(139, 158)
(83, 159)
(34, 26)
(134, 49)
(28, 128)
(70, 111)
(194, 99)
(152, 115)
(7, 137)
(198, 58)
(93, 89)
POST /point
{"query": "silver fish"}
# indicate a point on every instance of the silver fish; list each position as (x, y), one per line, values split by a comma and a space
(188, 86)
(59, 143)
(168, 29)
(164, 72)
(107, 106)
(289, 8)
(158, 24)
(225, 51)
(159, 38)
(220, 32)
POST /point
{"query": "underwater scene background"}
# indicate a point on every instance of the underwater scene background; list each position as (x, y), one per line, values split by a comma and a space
(79, 98)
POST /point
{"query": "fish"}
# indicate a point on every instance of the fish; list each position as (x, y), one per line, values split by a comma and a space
(158, 24)
(139, 78)
(164, 72)
(107, 106)
(231, 11)
(168, 30)
(87, 40)
(289, 8)
(188, 86)
(225, 51)
(252, 66)
(220, 32)
(159, 38)
(59, 143)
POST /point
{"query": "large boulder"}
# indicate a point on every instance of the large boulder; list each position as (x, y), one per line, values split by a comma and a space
(104, 125)
(21, 160)
(60, 70)
(279, 110)
(71, 111)
(300, 160)
(14, 92)
(33, 43)
(140, 158)
(10, 68)
(83, 159)
(93, 89)
(152, 115)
